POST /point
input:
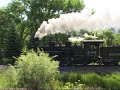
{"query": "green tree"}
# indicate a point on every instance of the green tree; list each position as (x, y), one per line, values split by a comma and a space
(13, 44)
(29, 14)
(117, 39)
(56, 37)
(14, 11)
(4, 21)
(17, 11)
(39, 10)
(110, 37)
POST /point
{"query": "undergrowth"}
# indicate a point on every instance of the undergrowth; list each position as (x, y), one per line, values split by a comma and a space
(104, 81)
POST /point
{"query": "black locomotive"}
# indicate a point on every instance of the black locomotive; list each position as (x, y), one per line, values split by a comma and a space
(89, 51)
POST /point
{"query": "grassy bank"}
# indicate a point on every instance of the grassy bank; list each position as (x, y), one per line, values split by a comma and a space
(72, 80)
(109, 81)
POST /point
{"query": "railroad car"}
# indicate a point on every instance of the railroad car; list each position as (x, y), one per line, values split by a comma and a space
(89, 51)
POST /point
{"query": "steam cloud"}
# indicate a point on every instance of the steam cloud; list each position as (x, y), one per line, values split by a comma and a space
(75, 21)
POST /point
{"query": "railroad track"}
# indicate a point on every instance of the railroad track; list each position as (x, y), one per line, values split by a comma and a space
(85, 69)
(90, 68)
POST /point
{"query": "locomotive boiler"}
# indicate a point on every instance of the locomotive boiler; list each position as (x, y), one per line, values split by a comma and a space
(89, 51)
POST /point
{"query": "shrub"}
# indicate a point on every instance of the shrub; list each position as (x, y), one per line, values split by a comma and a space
(8, 78)
(37, 71)
(32, 70)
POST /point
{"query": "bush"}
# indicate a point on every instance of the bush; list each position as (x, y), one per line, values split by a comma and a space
(37, 71)
(33, 70)
(8, 77)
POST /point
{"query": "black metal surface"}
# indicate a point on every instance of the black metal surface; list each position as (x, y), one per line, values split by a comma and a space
(90, 51)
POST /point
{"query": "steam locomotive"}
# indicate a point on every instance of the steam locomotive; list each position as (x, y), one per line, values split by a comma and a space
(89, 51)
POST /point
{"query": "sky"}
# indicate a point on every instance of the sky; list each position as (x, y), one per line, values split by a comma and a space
(4, 2)
(112, 6)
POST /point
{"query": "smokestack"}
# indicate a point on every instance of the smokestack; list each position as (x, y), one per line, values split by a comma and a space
(76, 21)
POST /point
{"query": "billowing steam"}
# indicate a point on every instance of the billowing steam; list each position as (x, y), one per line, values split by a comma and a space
(75, 21)
(85, 36)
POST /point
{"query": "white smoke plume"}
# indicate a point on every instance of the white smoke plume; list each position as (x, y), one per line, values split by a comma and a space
(75, 21)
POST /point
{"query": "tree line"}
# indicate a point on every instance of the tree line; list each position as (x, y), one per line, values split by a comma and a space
(21, 18)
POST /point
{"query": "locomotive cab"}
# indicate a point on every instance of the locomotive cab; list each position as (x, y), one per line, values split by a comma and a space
(92, 50)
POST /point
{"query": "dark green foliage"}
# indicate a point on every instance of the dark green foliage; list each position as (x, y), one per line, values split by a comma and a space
(59, 37)
(4, 22)
(111, 38)
(13, 43)
(9, 33)
(105, 81)
(56, 37)
(33, 42)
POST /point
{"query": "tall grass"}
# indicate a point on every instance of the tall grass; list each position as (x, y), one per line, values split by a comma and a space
(106, 81)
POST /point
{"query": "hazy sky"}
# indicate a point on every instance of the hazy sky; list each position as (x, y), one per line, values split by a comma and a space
(112, 6)
(4, 2)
